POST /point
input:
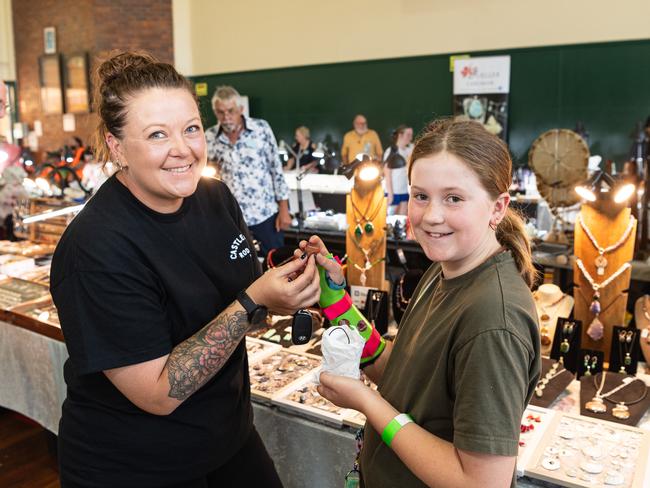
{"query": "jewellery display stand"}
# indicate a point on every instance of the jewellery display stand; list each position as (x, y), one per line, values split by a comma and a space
(556, 384)
(376, 309)
(590, 362)
(642, 321)
(539, 418)
(365, 241)
(609, 231)
(624, 356)
(581, 452)
(566, 342)
(628, 393)
(551, 303)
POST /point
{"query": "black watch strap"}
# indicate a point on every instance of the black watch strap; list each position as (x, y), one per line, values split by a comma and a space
(256, 313)
(247, 302)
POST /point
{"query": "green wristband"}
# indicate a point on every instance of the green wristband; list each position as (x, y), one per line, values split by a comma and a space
(394, 426)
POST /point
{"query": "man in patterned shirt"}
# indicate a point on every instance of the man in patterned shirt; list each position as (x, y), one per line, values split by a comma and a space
(246, 156)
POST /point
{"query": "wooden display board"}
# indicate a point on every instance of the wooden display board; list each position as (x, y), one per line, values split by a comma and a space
(607, 228)
(366, 201)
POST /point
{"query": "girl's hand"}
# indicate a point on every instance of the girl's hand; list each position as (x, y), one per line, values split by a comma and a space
(315, 243)
(280, 292)
(346, 392)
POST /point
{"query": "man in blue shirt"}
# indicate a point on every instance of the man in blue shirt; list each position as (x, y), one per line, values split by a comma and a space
(245, 153)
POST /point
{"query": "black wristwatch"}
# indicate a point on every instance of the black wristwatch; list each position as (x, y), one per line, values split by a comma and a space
(256, 313)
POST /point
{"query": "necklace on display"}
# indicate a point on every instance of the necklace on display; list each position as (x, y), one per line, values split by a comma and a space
(621, 410)
(590, 363)
(367, 254)
(402, 302)
(597, 405)
(596, 329)
(625, 342)
(601, 260)
(554, 371)
(545, 317)
(360, 217)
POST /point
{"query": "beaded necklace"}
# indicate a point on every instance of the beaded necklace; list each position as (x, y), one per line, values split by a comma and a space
(601, 260)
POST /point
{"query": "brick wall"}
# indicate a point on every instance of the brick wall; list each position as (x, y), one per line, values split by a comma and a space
(93, 26)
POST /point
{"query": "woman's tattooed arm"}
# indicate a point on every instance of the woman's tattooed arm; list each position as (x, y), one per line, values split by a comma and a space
(194, 361)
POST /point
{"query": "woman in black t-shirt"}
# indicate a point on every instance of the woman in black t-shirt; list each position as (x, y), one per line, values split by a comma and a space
(156, 283)
(304, 149)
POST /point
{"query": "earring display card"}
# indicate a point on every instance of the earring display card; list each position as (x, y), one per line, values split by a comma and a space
(566, 342)
(552, 383)
(376, 309)
(624, 354)
(590, 362)
(534, 423)
(580, 452)
(626, 405)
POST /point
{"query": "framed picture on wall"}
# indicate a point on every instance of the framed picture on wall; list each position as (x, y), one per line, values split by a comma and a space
(50, 81)
(49, 40)
(75, 78)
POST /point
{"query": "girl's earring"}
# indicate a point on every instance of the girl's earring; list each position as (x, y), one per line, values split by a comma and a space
(493, 225)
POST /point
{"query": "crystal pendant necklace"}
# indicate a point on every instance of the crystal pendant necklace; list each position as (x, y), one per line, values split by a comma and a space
(360, 217)
(596, 329)
(368, 264)
(601, 260)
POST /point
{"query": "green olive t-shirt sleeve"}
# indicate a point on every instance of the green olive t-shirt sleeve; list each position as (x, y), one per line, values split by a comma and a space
(491, 387)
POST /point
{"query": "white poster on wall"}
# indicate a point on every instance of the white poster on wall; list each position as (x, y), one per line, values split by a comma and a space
(481, 87)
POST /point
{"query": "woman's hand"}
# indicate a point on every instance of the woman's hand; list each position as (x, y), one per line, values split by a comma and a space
(347, 392)
(281, 293)
(334, 269)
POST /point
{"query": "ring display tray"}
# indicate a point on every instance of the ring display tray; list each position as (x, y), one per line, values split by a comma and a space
(581, 452)
(301, 397)
(258, 349)
(275, 372)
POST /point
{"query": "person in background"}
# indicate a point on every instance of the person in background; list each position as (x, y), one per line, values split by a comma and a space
(360, 140)
(454, 384)
(305, 149)
(156, 282)
(396, 158)
(245, 153)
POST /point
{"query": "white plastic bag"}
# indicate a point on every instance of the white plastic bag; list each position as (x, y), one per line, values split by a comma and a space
(341, 347)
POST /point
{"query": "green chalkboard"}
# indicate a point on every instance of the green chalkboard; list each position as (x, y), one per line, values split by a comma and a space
(604, 85)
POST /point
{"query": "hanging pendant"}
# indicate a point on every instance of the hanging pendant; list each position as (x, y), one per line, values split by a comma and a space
(596, 329)
(545, 338)
(601, 264)
(595, 306)
(621, 411)
(588, 372)
(358, 231)
(362, 278)
(544, 317)
(369, 228)
(596, 405)
(565, 346)
(628, 360)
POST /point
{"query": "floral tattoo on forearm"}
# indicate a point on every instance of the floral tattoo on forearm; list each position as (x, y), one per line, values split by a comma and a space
(193, 362)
